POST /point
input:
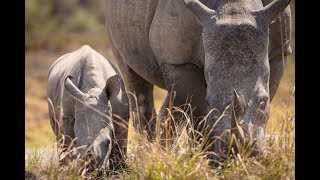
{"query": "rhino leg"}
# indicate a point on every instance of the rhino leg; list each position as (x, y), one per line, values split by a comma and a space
(162, 124)
(119, 148)
(188, 84)
(54, 123)
(64, 138)
(276, 72)
(143, 90)
(62, 127)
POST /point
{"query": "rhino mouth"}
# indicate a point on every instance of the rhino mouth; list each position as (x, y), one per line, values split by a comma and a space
(231, 135)
(101, 152)
(228, 145)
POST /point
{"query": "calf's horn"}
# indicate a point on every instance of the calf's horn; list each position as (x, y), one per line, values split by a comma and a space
(72, 89)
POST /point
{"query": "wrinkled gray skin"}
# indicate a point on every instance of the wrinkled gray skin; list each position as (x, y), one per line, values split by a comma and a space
(219, 53)
(86, 76)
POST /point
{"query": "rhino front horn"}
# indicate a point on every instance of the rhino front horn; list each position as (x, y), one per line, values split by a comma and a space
(236, 112)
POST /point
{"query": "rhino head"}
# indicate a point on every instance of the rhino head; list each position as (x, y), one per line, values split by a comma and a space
(235, 39)
(93, 127)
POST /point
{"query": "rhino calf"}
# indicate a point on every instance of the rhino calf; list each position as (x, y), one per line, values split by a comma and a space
(88, 107)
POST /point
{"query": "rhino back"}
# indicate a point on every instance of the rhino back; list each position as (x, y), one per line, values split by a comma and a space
(89, 69)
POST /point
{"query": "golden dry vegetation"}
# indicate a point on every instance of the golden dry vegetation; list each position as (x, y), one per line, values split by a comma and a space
(47, 39)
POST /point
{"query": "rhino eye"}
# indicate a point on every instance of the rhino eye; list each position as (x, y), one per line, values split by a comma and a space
(263, 101)
(263, 105)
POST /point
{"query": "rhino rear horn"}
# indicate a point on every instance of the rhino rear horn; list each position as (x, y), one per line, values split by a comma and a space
(200, 10)
(271, 10)
(72, 89)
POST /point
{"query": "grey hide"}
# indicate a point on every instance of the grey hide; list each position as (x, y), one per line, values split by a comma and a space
(83, 90)
(222, 54)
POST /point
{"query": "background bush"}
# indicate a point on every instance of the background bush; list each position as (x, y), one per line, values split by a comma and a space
(59, 24)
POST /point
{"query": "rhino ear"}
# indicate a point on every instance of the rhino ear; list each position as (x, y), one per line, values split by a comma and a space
(72, 89)
(200, 10)
(113, 86)
(270, 11)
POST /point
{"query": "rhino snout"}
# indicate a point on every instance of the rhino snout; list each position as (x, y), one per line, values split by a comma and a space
(102, 150)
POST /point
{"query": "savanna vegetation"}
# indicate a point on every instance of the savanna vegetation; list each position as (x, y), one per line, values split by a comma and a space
(53, 28)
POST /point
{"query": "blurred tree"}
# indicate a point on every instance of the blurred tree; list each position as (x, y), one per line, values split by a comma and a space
(98, 8)
(62, 9)
(85, 2)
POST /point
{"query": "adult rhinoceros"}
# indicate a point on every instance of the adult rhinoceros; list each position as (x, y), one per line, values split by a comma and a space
(85, 94)
(215, 52)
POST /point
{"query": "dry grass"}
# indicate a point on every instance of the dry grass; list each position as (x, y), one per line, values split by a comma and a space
(181, 159)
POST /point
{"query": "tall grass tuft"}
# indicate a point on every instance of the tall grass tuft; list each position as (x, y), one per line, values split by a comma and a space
(180, 156)
(176, 154)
